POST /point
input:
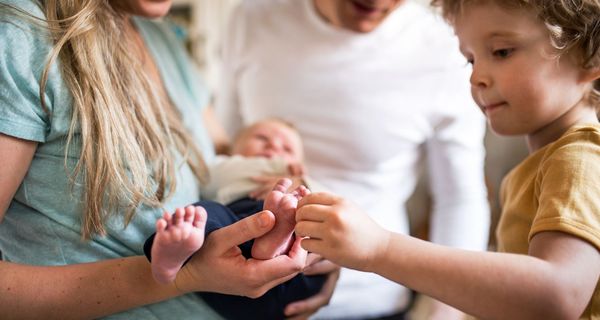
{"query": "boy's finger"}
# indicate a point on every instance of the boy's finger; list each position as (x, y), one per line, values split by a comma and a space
(319, 198)
(312, 245)
(312, 212)
(310, 229)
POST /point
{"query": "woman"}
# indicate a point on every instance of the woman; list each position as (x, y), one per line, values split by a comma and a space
(98, 135)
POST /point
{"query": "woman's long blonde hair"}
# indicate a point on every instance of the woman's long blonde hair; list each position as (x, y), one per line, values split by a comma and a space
(129, 133)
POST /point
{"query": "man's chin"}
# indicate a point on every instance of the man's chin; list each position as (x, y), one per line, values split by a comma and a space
(362, 27)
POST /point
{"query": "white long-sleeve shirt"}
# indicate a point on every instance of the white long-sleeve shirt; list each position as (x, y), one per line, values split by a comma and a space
(366, 106)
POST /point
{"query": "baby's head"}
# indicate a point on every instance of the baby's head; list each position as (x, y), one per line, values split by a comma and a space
(270, 138)
(573, 27)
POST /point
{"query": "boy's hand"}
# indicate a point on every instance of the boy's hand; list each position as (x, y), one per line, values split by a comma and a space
(340, 232)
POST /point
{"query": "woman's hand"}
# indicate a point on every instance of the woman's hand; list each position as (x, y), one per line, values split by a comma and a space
(220, 266)
(340, 232)
(303, 309)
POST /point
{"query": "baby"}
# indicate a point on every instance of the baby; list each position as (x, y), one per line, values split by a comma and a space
(270, 147)
(267, 148)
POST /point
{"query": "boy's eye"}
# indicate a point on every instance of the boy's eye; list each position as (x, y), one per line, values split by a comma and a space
(503, 53)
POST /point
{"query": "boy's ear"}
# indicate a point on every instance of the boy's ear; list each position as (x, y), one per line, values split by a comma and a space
(590, 74)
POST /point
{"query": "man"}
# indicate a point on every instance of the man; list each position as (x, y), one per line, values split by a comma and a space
(369, 84)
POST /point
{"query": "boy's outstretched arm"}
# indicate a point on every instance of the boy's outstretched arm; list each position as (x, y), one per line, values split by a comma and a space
(555, 281)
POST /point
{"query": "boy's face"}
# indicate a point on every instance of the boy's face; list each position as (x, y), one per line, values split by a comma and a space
(270, 139)
(517, 81)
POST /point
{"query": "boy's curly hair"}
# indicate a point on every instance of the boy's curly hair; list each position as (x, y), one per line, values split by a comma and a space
(574, 26)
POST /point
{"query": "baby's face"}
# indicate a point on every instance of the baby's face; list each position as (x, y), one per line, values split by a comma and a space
(270, 139)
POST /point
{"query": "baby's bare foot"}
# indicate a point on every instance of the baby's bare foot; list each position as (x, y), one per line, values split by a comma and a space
(178, 236)
(283, 205)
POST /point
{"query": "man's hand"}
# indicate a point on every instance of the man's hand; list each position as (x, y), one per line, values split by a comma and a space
(303, 309)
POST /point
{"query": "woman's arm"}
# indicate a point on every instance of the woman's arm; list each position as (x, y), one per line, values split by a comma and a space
(80, 291)
(75, 291)
(92, 290)
(555, 281)
(101, 288)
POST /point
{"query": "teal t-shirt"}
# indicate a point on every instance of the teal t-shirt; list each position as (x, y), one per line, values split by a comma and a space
(42, 224)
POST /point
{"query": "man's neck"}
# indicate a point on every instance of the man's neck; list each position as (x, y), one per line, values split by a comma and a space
(326, 11)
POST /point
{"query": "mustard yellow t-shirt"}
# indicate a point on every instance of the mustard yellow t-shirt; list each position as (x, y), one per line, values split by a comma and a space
(557, 188)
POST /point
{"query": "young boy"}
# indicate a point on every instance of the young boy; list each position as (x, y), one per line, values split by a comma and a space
(269, 147)
(536, 65)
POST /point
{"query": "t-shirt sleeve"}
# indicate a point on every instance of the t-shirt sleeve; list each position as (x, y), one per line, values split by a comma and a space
(21, 65)
(569, 192)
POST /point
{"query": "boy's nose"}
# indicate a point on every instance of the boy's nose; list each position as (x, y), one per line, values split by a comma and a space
(479, 77)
